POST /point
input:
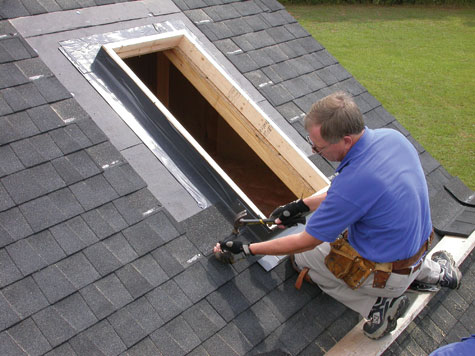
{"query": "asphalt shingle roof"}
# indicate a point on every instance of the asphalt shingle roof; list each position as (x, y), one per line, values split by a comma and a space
(92, 263)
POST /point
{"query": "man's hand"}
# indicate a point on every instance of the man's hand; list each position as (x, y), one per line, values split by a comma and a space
(290, 214)
(235, 247)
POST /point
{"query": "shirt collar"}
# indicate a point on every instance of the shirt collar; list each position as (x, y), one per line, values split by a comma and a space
(358, 148)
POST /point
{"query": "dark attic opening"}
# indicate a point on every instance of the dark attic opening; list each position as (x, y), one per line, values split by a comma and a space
(211, 131)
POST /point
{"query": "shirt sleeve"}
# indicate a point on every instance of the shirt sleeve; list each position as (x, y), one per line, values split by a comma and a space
(333, 216)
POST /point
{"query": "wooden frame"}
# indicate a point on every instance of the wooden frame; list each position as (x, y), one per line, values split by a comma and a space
(265, 138)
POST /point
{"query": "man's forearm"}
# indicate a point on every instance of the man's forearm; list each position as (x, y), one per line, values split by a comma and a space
(287, 245)
(314, 201)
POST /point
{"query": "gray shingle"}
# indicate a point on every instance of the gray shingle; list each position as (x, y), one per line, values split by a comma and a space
(254, 282)
(33, 68)
(62, 350)
(119, 246)
(75, 167)
(166, 344)
(144, 313)
(14, 226)
(235, 338)
(137, 206)
(275, 53)
(92, 131)
(146, 347)
(42, 213)
(102, 258)
(25, 257)
(243, 62)
(246, 8)
(277, 18)
(53, 283)
(136, 283)
(105, 155)
(128, 329)
(5, 201)
(258, 78)
(362, 104)
(167, 261)
(203, 319)
(45, 118)
(93, 192)
(102, 336)
(75, 311)
(207, 227)
(5, 56)
(5, 109)
(15, 48)
(29, 338)
(15, 100)
(70, 138)
(106, 296)
(182, 333)
(23, 97)
(51, 89)
(9, 347)
(215, 345)
(280, 34)
(237, 26)
(150, 270)
(257, 22)
(257, 323)
(8, 270)
(32, 183)
(124, 179)
(291, 112)
(182, 250)
(219, 272)
(78, 270)
(222, 12)
(327, 76)
(8, 315)
(25, 297)
(168, 300)
(261, 58)
(216, 30)
(195, 282)
(144, 236)
(36, 150)
(105, 221)
(296, 30)
(285, 300)
(70, 111)
(10, 75)
(228, 301)
(297, 87)
(15, 127)
(135, 321)
(73, 235)
(277, 94)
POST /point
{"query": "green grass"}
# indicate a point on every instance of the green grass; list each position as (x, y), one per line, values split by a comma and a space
(419, 62)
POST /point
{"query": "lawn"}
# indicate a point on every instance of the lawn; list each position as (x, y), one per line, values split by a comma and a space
(419, 62)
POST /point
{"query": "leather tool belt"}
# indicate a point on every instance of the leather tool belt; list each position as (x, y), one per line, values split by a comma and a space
(347, 264)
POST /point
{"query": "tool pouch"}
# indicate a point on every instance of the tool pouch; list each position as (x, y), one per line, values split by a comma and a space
(382, 271)
(347, 264)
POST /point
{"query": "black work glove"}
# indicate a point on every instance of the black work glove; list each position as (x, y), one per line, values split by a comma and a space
(236, 247)
(291, 214)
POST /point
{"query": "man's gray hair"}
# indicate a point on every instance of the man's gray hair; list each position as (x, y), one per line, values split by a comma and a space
(337, 114)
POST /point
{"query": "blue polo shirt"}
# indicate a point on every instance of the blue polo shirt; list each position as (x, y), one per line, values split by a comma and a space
(380, 194)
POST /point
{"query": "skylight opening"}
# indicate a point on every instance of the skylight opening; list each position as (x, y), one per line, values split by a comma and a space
(235, 137)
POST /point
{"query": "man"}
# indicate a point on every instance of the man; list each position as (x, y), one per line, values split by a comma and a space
(380, 196)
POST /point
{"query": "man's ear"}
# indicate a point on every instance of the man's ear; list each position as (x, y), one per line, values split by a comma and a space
(348, 140)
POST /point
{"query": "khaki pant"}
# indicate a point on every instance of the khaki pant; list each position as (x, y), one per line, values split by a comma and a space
(362, 299)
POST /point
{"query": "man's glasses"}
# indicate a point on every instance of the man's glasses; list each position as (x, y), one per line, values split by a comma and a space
(314, 147)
